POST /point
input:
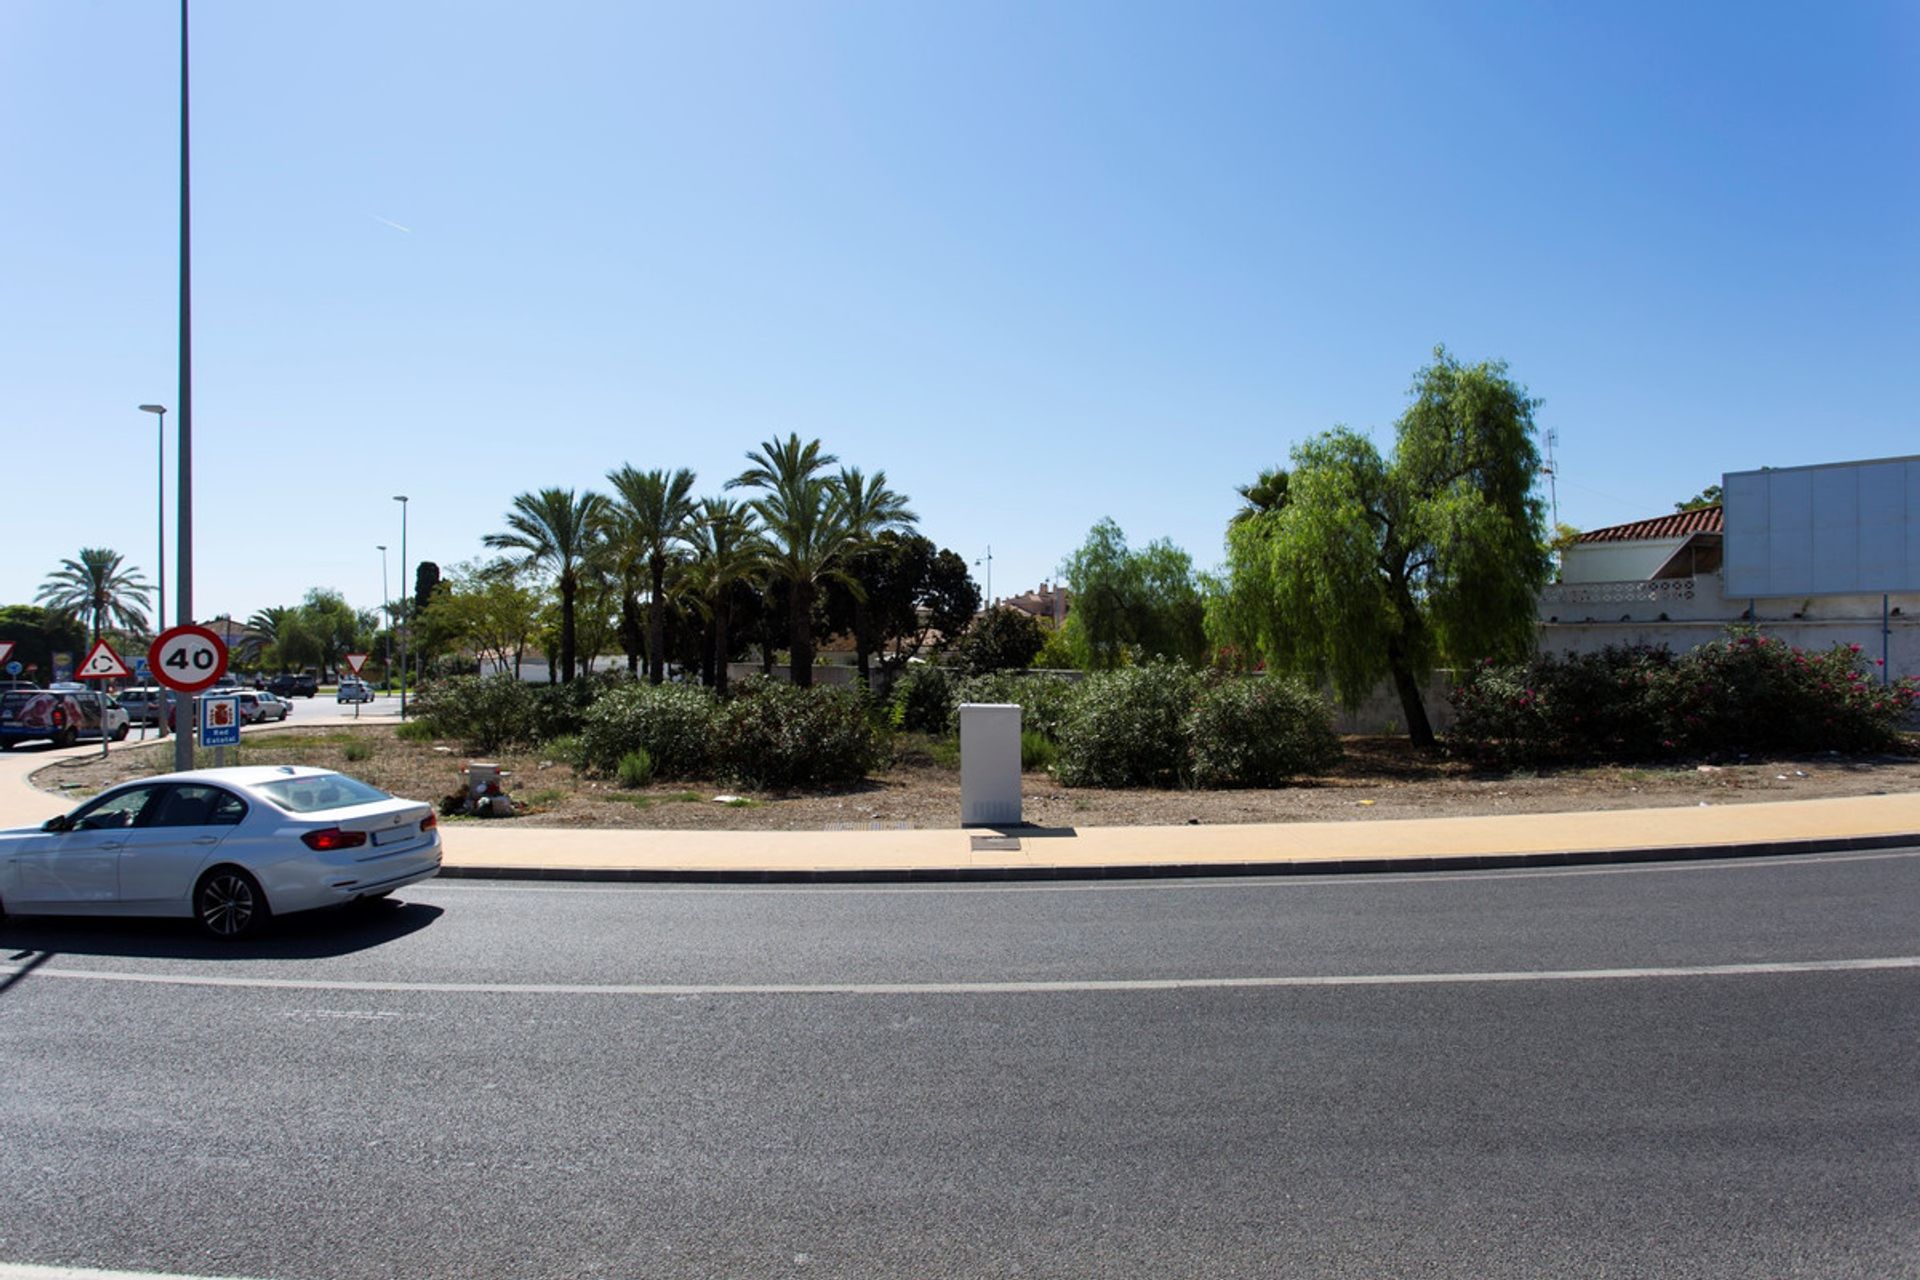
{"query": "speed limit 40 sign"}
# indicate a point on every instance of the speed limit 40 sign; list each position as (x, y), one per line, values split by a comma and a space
(187, 659)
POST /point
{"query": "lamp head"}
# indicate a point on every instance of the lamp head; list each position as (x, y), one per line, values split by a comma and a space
(153, 408)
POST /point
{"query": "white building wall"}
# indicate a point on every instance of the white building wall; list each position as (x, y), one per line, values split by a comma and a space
(1617, 561)
(1682, 613)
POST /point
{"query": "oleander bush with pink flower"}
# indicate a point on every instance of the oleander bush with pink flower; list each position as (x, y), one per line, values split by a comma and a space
(1744, 692)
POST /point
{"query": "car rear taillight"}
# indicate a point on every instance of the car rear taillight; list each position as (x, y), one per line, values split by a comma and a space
(429, 822)
(331, 838)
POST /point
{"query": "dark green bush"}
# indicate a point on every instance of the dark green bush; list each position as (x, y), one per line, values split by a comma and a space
(922, 700)
(482, 713)
(561, 709)
(1744, 692)
(1612, 705)
(1259, 731)
(673, 723)
(1750, 692)
(1128, 728)
(1044, 700)
(774, 735)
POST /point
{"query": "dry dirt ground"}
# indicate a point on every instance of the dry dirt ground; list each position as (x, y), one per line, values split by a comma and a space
(1380, 778)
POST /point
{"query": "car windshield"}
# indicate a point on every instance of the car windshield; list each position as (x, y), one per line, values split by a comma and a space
(325, 791)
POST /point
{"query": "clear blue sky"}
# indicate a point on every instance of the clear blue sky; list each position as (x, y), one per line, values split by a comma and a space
(1042, 263)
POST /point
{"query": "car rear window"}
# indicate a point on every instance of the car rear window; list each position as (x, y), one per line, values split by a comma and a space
(328, 791)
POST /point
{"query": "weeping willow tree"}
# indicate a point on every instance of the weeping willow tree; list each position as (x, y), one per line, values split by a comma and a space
(1383, 567)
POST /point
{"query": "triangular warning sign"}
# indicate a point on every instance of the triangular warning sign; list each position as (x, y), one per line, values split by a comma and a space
(102, 663)
(355, 661)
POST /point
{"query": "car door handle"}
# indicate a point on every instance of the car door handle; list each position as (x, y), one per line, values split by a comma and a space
(207, 840)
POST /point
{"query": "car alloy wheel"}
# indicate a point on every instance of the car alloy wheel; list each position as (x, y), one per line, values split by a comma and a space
(229, 904)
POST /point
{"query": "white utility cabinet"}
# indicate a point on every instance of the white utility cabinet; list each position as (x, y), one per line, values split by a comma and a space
(989, 764)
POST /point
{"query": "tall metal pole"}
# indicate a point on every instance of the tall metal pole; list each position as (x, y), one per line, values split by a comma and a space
(183, 547)
(386, 607)
(160, 546)
(401, 498)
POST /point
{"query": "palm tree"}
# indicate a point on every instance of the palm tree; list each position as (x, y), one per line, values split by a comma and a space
(96, 588)
(555, 528)
(654, 511)
(872, 508)
(726, 550)
(1268, 493)
(805, 517)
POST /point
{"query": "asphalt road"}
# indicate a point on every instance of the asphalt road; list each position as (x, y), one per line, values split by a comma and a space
(1704, 1069)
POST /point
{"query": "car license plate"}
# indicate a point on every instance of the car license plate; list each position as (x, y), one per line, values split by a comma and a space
(392, 835)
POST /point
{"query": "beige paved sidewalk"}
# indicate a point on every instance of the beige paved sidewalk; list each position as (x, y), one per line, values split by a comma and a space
(492, 848)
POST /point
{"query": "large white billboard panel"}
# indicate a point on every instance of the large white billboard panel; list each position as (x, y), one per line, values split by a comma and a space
(1846, 528)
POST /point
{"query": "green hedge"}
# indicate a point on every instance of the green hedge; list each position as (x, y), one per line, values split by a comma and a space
(1128, 728)
(1260, 731)
(777, 736)
(1044, 701)
(672, 723)
(483, 713)
(1745, 692)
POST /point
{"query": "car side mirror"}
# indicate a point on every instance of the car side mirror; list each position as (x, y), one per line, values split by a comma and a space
(58, 822)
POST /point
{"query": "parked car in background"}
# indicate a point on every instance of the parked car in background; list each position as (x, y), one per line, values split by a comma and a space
(354, 689)
(143, 703)
(258, 705)
(229, 848)
(61, 716)
(304, 685)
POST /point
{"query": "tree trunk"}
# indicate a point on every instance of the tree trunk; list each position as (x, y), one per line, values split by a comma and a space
(657, 623)
(860, 642)
(1419, 728)
(801, 636)
(566, 632)
(720, 612)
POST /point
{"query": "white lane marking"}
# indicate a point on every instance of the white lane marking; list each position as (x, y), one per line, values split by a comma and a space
(1322, 880)
(1759, 969)
(20, 1271)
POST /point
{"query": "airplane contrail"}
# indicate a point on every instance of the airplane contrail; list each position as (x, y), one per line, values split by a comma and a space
(390, 222)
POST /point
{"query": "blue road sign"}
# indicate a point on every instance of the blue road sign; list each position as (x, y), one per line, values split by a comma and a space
(219, 722)
(14, 668)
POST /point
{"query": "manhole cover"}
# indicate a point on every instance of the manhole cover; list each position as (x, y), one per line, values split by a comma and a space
(996, 844)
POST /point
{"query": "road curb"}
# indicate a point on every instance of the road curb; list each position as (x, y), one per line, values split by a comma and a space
(1182, 870)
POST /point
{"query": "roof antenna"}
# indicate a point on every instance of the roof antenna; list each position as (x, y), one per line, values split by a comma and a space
(1549, 471)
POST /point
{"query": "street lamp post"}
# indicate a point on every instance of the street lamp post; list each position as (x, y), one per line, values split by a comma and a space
(401, 498)
(183, 544)
(386, 607)
(160, 546)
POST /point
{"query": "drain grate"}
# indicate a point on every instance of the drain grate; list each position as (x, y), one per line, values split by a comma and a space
(996, 844)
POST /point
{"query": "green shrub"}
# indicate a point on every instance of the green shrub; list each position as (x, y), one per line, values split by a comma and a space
(922, 700)
(1128, 728)
(357, 750)
(415, 731)
(566, 748)
(1044, 701)
(635, 769)
(776, 735)
(1037, 751)
(1744, 692)
(1259, 731)
(561, 709)
(673, 723)
(482, 713)
(1750, 692)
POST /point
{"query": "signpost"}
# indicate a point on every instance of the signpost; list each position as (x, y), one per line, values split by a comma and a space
(355, 661)
(220, 726)
(187, 659)
(102, 663)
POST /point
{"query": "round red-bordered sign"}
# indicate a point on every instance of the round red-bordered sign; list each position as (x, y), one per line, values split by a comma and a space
(187, 659)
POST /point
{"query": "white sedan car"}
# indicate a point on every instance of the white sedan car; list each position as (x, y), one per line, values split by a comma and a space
(228, 847)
